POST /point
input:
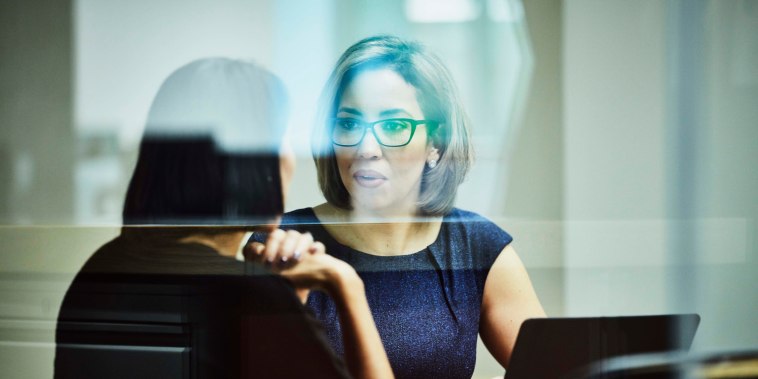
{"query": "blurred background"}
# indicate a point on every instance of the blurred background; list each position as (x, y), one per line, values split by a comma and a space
(616, 140)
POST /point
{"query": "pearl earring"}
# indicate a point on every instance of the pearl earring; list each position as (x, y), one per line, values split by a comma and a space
(433, 156)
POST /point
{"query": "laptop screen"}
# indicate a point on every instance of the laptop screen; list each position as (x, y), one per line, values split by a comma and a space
(554, 347)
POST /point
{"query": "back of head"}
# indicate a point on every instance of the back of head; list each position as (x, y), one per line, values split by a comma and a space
(210, 151)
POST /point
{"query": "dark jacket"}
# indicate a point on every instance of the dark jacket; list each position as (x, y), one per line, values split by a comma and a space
(143, 307)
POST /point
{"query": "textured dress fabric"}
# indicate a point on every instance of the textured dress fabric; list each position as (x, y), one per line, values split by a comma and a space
(426, 305)
(146, 308)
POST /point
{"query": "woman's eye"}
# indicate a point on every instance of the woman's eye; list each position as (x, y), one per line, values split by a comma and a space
(347, 124)
(394, 126)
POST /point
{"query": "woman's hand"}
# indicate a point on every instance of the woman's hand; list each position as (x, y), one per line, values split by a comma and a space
(303, 261)
(280, 250)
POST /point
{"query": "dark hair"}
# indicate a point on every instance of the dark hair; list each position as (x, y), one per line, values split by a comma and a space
(209, 155)
(190, 182)
(438, 97)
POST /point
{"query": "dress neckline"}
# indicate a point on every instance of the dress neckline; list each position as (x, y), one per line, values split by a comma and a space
(320, 226)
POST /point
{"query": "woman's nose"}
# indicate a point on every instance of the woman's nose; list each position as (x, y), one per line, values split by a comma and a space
(369, 148)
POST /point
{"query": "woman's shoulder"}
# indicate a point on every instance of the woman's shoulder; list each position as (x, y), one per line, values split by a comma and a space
(476, 227)
(321, 214)
(304, 220)
(302, 212)
(299, 217)
(457, 215)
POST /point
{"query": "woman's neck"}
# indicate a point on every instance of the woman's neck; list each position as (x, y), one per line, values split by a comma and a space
(226, 244)
(379, 234)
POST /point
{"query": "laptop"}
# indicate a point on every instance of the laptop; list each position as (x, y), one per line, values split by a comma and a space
(560, 347)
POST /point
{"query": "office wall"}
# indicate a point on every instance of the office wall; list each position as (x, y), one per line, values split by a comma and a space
(659, 200)
(36, 175)
(725, 205)
(614, 162)
(36, 132)
(528, 200)
(532, 199)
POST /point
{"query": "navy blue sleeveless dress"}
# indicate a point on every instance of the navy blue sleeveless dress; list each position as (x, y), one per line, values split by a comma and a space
(426, 305)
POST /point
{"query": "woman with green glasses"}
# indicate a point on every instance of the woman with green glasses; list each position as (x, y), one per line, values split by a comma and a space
(391, 151)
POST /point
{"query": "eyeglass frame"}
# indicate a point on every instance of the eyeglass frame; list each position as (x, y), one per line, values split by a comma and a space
(370, 125)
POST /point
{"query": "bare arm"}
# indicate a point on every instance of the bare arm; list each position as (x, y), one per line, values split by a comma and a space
(509, 299)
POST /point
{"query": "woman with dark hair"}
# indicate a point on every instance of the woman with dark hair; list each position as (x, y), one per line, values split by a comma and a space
(391, 148)
(167, 298)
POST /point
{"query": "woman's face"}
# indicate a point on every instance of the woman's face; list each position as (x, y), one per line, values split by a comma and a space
(380, 179)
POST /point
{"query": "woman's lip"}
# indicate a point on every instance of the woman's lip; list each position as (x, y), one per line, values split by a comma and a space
(368, 178)
(369, 174)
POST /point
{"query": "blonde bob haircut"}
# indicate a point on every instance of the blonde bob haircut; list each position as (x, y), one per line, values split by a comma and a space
(439, 100)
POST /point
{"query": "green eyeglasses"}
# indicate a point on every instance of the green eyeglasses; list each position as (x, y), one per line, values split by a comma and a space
(391, 132)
